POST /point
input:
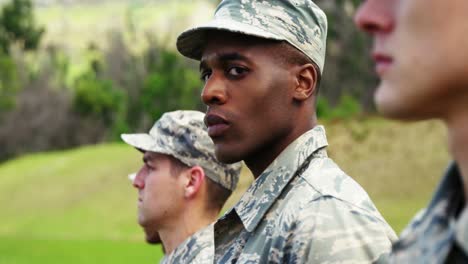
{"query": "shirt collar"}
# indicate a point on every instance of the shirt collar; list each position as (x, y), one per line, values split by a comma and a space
(446, 204)
(450, 189)
(452, 185)
(190, 248)
(264, 191)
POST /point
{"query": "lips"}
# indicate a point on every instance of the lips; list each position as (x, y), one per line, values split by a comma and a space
(382, 63)
(217, 125)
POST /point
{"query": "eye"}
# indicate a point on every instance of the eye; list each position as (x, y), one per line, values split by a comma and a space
(149, 168)
(205, 75)
(236, 71)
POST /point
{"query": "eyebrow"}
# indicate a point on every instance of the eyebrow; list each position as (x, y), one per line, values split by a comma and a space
(146, 158)
(223, 58)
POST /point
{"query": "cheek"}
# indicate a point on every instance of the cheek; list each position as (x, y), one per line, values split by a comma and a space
(270, 112)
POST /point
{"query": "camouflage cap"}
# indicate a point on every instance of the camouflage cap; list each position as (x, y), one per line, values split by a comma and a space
(183, 135)
(299, 22)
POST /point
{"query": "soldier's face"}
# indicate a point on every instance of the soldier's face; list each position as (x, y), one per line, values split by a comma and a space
(419, 50)
(247, 94)
(160, 195)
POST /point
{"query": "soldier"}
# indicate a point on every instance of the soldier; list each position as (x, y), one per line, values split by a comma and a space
(261, 62)
(181, 186)
(424, 75)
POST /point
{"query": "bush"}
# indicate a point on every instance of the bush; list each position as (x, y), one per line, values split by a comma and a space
(346, 108)
(170, 86)
(97, 98)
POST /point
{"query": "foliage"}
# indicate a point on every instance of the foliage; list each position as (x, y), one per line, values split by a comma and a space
(170, 86)
(97, 97)
(17, 25)
(126, 81)
(348, 65)
(9, 83)
(44, 107)
(346, 108)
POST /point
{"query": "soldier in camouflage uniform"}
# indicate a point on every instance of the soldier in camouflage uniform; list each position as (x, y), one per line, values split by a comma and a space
(261, 62)
(181, 186)
(424, 75)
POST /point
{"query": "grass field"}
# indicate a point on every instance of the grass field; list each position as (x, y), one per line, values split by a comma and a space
(78, 206)
(26, 250)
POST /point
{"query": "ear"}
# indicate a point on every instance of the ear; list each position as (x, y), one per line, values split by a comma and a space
(306, 82)
(195, 179)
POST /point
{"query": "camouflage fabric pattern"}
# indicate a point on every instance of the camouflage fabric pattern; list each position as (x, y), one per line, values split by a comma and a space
(183, 135)
(303, 209)
(197, 249)
(299, 22)
(436, 234)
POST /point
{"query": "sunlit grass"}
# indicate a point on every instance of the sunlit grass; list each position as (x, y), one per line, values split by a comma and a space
(14, 250)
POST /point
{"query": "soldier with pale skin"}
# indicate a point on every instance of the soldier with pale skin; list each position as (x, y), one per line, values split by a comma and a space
(423, 68)
(181, 186)
(261, 63)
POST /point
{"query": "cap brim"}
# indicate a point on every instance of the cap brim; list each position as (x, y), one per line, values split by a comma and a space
(191, 42)
(142, 142)
(132, 176)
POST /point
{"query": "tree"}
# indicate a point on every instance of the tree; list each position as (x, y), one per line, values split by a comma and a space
(18, 25)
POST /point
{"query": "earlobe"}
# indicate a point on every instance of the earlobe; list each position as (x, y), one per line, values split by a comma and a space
(195, 179)
(306, 81)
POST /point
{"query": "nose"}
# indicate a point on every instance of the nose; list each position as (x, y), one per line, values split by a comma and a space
(375, 16)
(138, 180)
(214, 91)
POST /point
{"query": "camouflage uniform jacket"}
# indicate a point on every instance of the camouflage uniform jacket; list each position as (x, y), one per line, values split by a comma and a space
(303, 209)
(438, 234)
(197, 249)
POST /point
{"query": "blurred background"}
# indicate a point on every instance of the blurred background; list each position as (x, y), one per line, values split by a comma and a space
(74, 74)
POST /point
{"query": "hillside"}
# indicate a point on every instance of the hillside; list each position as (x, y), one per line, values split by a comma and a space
(73, 206)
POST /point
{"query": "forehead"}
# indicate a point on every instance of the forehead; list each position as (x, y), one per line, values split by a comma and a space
(222, 42)
(149, 156)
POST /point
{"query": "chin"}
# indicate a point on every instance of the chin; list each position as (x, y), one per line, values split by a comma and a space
(394, 100)
(152, 238)
(388, 103)
(142, 221)
(397, 110)
(227, 157)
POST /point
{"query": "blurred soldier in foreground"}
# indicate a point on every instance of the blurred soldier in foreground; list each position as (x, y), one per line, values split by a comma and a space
(261, 62)
(418, 50)
(181, 186)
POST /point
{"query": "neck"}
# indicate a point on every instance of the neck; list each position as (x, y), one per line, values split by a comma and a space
(193, 219)
(258, 161)
(458, 142)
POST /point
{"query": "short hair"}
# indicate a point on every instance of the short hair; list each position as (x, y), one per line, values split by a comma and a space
(289, 55)
(177, 166)
(217, 195)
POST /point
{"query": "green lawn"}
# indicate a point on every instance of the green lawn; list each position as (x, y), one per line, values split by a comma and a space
(72, 207)
(78, 206)
(32, 250)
